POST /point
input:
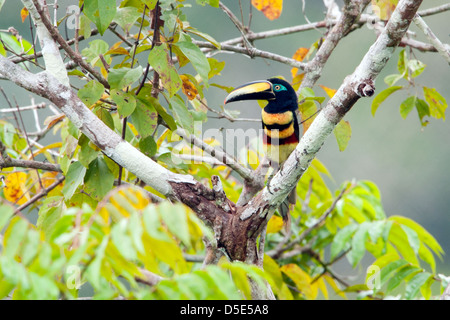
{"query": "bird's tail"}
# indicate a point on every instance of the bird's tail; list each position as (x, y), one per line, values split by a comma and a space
(284, 208)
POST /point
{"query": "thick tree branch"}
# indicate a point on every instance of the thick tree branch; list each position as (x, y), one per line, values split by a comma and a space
(73, 55)
(50, 51)
(350, 14)
(357, 85)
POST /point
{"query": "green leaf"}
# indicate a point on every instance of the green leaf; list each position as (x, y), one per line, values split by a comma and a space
(401, 275)
(14, 236)
(422, 233)
(402, 62)
(358, 244)
(93, 52)
(182, 114)
(342, 132)
(86, 154)
(159, 60)
(99, 179)
(150, 3)
(416, 67)
(415, 283)
(212, 3)
(203, 35)
(413, 238)
(391, 79)
(122, 241)
(215, 67)
(91, 92)
(422, 110)
(197, 58)
(123, 77)
(399, 239)
(101, 12)
(146, 98)
(382, 96)
(105, 116)
(436, 102)
(74, 178)
(49, 213)
(388, 270)
(126, 17)
(144, 118)
(85, 26)
(6, 212)
(93, 271)
(342, 239)
(148, 146)
(407, 105)
(126, 102)
(174, 216)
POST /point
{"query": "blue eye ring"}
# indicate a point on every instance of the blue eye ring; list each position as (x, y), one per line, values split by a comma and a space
(279, 87)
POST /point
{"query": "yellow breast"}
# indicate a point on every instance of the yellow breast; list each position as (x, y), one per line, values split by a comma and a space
(277, 118)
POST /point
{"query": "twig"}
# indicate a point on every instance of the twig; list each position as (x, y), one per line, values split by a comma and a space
(278, 251)
(245, 173)
(350, 15)
(125, 119)
(254, 52)
(40, 195)
(443, 51)
(73, 55)
(8, 162)
(237, 23)
(434, 10)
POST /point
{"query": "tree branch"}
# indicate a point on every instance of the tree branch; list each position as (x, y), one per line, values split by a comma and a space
(350, 14)
(73, 55)
(443, 51)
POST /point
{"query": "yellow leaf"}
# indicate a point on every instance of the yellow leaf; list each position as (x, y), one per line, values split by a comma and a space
(252, 158)
(321, 284)
(274, 225)
(301, 279)
(299, 55)
(328, 91)
(188, 88)
(334, 285)
(14, 190)
(297, 81)
(50, 146)
(24, 13)
(271, 8)
(118, 50)
(383, 8)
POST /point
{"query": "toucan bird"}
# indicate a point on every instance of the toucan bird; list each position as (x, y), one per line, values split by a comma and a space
(279, 121)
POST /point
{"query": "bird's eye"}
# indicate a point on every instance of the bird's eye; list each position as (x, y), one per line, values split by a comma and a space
(277, 88)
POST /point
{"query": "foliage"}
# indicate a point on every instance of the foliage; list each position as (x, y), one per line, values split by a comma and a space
(433, 103)
(95, 236)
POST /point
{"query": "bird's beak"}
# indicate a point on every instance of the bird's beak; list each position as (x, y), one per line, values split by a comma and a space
(256, 90)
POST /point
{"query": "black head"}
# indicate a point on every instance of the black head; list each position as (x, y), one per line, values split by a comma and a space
(278, 92)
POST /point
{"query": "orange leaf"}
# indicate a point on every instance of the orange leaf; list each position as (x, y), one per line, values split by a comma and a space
(15, 187)
(271, 8)
(52, 120)
(48, 178)
(328, 91)
(24, 13)
(188, 88)
(299, 55)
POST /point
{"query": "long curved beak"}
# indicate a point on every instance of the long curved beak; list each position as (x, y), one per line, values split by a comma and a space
(255, 90)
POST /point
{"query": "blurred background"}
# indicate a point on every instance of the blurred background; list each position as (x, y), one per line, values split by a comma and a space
(409, 164)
